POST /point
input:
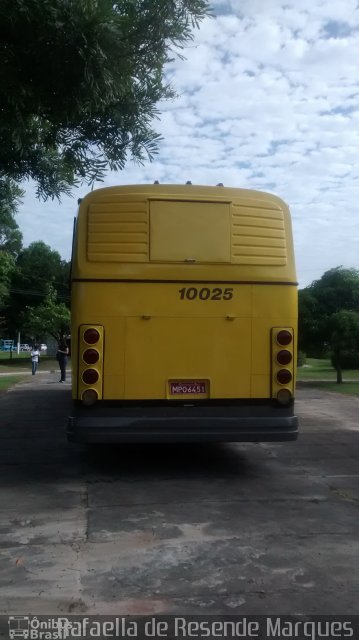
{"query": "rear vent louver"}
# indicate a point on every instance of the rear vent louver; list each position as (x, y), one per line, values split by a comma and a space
(118, 232)
(258, 235)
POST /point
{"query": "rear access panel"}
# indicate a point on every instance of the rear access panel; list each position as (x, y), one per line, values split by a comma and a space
(212, 353)
(190, 232)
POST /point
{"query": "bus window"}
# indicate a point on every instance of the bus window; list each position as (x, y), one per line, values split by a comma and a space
(184, 316)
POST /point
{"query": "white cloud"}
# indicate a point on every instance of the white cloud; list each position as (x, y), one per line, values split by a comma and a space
(268, 99)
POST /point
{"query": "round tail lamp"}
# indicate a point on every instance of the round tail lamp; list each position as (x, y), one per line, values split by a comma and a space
(91, 356)
(91, 336)
(90, 376)
(284, 376)
(89, 397)
(284, 357)
(284, 337)
(284, 396)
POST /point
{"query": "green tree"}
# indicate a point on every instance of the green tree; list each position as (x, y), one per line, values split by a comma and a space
(80, 83)
(48, 318)
(38, 269)
(10, 241)
(7, 265)
(10, 234)
(310, 324)
(344, 338)
(328, 309)
(337, 289)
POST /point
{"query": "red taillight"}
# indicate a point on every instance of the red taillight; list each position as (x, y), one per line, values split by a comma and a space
(284, 337)
(91, 356)
(90, 376)
(91, 336)
(90, 363)
(284, 356)
(284, 376)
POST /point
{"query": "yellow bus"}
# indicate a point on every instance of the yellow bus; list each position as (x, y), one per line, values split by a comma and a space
(184, 316)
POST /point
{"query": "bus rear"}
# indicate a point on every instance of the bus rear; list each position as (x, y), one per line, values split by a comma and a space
(184, 316)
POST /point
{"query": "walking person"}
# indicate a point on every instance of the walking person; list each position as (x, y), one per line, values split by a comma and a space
(34, 353)
(61, 356)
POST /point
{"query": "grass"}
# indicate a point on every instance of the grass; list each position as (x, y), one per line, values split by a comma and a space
(18, 357)
(317, 373)
(18, 364)
(316, 369)
(321, 375)
(23, 361)
(8, 381)
(5, 356)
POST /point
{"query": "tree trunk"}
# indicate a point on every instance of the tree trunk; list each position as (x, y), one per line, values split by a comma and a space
(337, 366)
(339, 373)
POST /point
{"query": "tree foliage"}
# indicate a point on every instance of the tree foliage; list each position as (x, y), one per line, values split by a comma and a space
(39, 266)
(51, 317)
(38, 270)
(10, 239)
(80, 81)
(329, 316)
(344, 337)
(7, 266)
(10, 234)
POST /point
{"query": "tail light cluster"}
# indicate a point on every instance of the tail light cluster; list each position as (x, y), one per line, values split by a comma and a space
(283, 364)
(90, 363)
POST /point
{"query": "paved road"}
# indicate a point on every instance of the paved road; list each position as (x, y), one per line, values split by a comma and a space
(265, 529)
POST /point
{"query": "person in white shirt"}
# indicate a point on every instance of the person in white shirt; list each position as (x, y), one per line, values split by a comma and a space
(34, 353)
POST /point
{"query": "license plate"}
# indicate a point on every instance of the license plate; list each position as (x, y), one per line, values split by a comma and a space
(188, 387)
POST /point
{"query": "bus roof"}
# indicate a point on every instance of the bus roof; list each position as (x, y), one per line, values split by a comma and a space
(183, 232)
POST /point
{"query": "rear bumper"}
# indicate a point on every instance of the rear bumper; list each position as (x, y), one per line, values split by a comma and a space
(201, 423)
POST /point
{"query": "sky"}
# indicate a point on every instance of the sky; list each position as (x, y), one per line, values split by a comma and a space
(267, 99)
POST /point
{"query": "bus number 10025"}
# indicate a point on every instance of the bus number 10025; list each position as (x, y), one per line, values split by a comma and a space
(191, 293)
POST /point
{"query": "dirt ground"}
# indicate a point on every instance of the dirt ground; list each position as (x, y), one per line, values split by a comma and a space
(232, 529)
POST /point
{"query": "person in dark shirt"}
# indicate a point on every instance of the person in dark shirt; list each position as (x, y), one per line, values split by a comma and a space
(61, 356)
